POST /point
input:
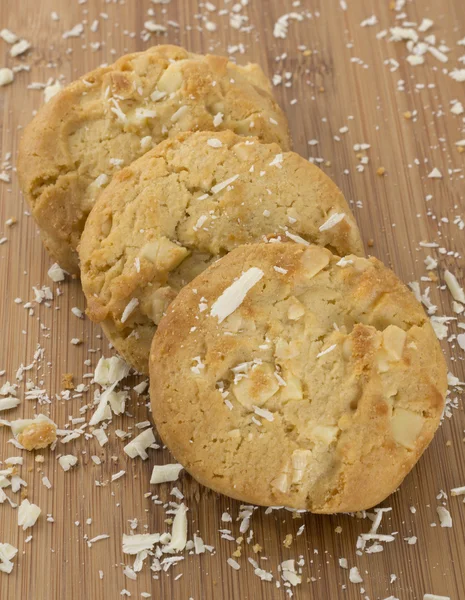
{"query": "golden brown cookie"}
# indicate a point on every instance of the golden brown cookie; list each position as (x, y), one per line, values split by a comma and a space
(113, 115)
(183, 205)
(285, 375)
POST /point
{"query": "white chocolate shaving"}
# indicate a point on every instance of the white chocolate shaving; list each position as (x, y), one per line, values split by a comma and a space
(165, 473)
(28, 514)
(130, 308)
(67, 461)
(234, 295)
(139, 445)
(332, 221)
(178, 532)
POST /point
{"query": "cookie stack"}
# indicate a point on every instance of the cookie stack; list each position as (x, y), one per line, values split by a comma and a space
(286, 368)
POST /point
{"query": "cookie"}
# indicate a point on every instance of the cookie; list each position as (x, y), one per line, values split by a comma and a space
(285, 375)
(115, 114)
(165, 218)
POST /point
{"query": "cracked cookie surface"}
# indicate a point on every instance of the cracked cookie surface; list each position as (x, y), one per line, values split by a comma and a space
(194, 198)
(113, 115)
(284, 375)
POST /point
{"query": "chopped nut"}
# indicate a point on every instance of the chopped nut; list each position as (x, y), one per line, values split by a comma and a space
(286, 350)
(325, 434)
(380, 171)
(300, 460)
(293, 388)
(171, 80)
(314, 260)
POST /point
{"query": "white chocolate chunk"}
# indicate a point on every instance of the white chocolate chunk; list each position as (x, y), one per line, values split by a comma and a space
(325, 434)
(406, 427)
(300, 460)
(170, 81)
(293, 388)
(286, 350)
(296, 310)
(258, 386)
(393, 342)
(281, 482)
(164, 254)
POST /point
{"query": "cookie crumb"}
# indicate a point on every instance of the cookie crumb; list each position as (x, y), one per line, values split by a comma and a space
(288, 540)
(67, 381)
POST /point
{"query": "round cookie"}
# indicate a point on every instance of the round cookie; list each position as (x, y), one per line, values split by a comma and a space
(165, 218)
(113, 115)
(284, 375)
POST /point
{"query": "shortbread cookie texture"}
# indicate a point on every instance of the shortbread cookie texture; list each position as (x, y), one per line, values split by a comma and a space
(285, 375)
(183, 205)
(115, 114)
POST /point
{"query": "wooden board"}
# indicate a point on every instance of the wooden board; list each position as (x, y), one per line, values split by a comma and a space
(342, 82)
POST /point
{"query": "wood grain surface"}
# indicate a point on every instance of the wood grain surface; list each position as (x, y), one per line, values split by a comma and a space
(343, 81)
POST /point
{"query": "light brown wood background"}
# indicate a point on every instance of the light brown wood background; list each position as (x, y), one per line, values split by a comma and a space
(57, 563)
